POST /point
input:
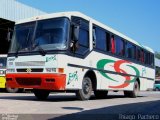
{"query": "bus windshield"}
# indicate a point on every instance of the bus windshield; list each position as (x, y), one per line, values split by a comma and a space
(3, 61)
(49, 34)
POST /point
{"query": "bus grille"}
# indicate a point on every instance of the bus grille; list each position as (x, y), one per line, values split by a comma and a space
(30, 63)
(29, 81)
(31, 70)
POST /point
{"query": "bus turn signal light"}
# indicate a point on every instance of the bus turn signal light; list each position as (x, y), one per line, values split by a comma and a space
(60, 70)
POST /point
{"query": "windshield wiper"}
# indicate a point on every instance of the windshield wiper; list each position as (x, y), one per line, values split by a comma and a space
(41, 50)
(27, 39)
(16, 54)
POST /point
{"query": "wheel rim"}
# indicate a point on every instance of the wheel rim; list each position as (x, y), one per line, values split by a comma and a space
(86, 86)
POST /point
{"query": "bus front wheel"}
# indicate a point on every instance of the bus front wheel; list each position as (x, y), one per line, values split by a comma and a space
(41, 94)
(86, 91)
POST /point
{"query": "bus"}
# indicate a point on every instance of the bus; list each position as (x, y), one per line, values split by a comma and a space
(6, 25)
(71, 52)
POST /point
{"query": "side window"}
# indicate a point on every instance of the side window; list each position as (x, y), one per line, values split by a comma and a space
(113, 49)
(138, 54)
(120, 46)
(108, 41)
(83, 40)
(131, 50)
(142, 56)
(100, 39)
(152, 60)
(147, 58)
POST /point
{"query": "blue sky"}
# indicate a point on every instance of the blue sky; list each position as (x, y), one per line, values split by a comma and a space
(138, 19)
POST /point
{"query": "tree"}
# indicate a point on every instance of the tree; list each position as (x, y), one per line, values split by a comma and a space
(157, 55)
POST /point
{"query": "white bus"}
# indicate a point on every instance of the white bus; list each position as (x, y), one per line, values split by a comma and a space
(72, 52)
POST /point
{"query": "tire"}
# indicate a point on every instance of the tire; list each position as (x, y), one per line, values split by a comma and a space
(41, 94)
(100, 94)
(135, 92)
(86, 91)
(157, 89)
(12, 90)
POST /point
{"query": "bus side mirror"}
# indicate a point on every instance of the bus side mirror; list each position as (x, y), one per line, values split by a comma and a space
(75, 32)
(9, 35)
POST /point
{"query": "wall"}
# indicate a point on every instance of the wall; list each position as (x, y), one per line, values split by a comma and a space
(14, 10)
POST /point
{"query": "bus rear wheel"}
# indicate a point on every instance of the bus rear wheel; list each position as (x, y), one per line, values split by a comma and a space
(86, 91)
(41, 94)
(135, 92)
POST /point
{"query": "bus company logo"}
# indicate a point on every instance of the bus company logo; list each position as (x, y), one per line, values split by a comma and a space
(72, 77)
(28, 70)
(116, 64)
(52, 58)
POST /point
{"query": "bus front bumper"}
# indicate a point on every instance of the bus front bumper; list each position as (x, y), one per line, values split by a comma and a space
(37, 81)
(2, 82)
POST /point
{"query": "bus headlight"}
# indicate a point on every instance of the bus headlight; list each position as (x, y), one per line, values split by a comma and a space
(60, 70)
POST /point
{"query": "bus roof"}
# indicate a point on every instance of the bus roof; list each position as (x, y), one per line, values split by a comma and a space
(78, 14)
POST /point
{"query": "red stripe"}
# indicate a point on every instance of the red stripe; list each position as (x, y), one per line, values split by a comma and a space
(38, 81)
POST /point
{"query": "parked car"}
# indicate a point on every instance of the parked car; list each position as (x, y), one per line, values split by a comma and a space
(157, 86)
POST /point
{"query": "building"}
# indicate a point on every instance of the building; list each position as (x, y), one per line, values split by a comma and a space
(10, 12)
(13, 10)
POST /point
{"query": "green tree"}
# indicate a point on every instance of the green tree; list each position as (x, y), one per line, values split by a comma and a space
(157, 55)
